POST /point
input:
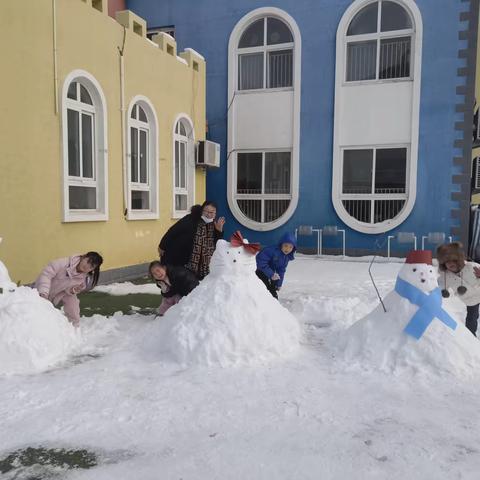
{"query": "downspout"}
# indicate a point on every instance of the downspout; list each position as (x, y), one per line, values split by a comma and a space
(122, 113)
(55, 70)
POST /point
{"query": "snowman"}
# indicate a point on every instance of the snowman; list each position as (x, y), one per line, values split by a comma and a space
(230, 318)
(34, 335)
(416, 332)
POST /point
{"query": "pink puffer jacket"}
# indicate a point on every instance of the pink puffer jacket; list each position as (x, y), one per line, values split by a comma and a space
(59, 277)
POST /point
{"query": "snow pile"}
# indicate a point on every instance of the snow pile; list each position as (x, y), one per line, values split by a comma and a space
(229, 319)
(378, 341)
(34, 335)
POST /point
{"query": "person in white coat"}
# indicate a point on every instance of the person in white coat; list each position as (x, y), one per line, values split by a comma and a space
(462, 277)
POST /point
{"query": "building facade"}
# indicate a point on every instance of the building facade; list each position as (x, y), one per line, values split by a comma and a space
(353, 114)
(98, 129)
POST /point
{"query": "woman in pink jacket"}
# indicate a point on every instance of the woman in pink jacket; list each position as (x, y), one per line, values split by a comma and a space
(62, 279)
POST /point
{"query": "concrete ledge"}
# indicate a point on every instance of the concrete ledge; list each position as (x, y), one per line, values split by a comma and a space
(123, 274)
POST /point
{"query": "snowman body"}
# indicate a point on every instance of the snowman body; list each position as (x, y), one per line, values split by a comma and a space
(229, 319)
(379, 342)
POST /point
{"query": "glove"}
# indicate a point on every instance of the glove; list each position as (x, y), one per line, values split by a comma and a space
(275, 276)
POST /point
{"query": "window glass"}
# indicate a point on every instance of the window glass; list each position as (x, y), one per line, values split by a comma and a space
(395, 57)
(250, 71)
(390, 170)
(357, 171)
(275, 209)
(140, 200)
(361, 60)
(82, 198)
(85, 96)
(249, 173)
(177, 164)
(141, 114)
(277, 32)
(253, 35)
(134, 154)
(72, 91)
(73, 128)
(365, 21)
(181, 202)
(87, 146)
(280, 68)
(277, 172)
(394, 17)
(143, 156)
(252, 209)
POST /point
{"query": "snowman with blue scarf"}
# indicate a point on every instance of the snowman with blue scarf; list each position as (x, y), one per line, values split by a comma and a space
(415, 329)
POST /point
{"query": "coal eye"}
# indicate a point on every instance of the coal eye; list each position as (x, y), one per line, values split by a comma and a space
(238, 252)
(414, 269)
(228, 253)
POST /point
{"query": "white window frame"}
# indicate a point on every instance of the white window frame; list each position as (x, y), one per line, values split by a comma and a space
(264, 50)
(261, 196)
(372, 197)
(189, 139)
(99, 145)
(378, 36)
(340, 69)
(235, 36)
(152, 160)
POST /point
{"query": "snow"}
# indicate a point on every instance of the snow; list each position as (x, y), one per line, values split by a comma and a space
(34, 335)
(303, 417)
(126, 288)
(229, 319)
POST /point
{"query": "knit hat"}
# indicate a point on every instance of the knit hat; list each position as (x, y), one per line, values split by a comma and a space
(450, 252)
(419, 256)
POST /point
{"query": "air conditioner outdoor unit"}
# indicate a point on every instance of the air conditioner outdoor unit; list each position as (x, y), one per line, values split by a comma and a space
(208, 154)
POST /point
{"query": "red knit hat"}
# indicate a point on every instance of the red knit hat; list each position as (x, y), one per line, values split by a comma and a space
(419, 256)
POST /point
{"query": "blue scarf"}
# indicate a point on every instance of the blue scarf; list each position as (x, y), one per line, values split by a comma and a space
(429, 307)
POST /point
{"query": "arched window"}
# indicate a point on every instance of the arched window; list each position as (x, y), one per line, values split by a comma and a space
(142, 165)
(84, 148)
(379, 43)
(264, 118)
(265, 55)
(183, 167)
(377, 98)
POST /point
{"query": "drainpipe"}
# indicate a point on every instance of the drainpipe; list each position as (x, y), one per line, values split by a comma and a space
(55, 71)
(122, 113)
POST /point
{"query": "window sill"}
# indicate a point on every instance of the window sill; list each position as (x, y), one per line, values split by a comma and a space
(133, 215)
(376, 82)
(178, 215)
(264, 90)
(69, 217)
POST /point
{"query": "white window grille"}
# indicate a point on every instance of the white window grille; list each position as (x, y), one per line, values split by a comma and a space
(263, 184)
(379, 43)
(265, 55)
(84, 149)
(374, 186)
(184, 168)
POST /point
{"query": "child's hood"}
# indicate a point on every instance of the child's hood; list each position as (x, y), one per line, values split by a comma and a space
(289, 238)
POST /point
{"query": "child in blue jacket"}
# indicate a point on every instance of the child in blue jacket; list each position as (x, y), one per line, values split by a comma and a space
(272, 262)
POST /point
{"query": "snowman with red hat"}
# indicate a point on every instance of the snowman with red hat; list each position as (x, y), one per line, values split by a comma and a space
(230, 318)
(415, 330)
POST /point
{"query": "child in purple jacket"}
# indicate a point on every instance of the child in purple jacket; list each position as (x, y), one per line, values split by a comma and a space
(272, 262)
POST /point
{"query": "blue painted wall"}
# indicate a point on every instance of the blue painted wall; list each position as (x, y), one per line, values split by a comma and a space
(205, 25)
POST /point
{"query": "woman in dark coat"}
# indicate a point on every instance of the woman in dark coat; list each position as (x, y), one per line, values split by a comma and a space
(191, 241)
(174, 281)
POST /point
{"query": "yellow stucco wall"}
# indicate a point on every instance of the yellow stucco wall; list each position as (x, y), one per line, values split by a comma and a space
(31, 178)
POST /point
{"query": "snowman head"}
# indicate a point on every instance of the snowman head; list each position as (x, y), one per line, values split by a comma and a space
(418, 270)
(236, 256)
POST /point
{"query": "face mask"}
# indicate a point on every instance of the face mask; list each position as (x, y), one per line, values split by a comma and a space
(207, 219)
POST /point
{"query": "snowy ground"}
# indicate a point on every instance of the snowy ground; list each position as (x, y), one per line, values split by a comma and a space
(306, 418)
